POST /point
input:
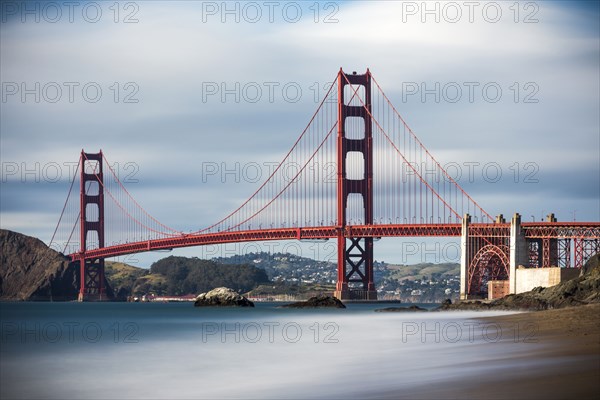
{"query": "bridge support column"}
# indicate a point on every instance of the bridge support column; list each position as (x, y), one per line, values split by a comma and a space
(91, 224)
(355, 254)
(550, 248)
(584, 249)
(564, 253)
(519, 251)
(464, 256)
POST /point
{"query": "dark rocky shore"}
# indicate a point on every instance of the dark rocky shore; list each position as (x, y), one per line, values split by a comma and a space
(320, 301)
(585, 289)
(412, 308)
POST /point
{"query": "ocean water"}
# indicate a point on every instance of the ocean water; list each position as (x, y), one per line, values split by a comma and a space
(174, 350)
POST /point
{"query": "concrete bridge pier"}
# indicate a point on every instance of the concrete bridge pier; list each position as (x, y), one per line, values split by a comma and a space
(519, 251)
(464, 255)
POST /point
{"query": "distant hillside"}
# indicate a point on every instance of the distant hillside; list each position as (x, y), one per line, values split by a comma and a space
(30, 270)
(419, 283)
(287, 267)
(423, 270)
(124, 278)
(182, 275)
(175, 276)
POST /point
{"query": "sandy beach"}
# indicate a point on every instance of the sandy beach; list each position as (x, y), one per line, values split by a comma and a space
(562, 363)
(569, 341)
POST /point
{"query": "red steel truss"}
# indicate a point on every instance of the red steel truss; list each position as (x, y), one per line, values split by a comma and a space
(325, 232)
(564, 230)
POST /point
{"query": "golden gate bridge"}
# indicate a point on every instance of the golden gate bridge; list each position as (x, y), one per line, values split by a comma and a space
(384, 183)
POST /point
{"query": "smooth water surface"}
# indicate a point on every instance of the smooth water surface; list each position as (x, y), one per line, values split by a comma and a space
(174, 350)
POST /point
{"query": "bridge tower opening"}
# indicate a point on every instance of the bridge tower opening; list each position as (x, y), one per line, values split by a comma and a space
(355, 254)
(91, 225)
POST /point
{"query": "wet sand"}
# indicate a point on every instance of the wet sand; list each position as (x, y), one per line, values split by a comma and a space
(569, 351)
(560, 361)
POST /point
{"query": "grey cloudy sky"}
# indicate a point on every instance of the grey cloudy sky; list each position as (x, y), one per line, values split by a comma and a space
(488, 86)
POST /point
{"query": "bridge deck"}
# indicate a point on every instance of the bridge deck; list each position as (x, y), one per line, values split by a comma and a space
(323, 232)
(587, 230)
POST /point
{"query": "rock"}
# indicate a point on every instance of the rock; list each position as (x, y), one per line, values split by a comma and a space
(463, 306)
(521, 301)
(401, 309)
(320, 301)
(222, 297)
(592, 267)
(31, 271)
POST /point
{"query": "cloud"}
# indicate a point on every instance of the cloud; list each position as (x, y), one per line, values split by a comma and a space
(172, 60)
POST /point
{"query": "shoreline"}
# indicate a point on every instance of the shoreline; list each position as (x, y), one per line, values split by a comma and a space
(561, 362)
(568, 356)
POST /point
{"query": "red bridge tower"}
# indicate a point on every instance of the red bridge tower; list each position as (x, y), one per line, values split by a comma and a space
(91, 221)
(355, 254)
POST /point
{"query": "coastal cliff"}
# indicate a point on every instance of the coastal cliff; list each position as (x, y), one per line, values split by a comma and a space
(31, 271)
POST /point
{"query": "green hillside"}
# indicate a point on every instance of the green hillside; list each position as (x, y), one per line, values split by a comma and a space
(423, 270)
(289, 275)
(175, 276)
(184, 275)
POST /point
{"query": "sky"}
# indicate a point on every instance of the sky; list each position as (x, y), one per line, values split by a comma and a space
(185, 97)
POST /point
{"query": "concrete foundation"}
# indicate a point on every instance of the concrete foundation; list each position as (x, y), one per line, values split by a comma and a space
(529, 278)
(525, 279)
(464, 256)
(519, 252)
(497, 289)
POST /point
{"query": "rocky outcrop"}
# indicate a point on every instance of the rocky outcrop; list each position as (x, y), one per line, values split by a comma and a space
(31, 271)
(222, 297)
(320, 301)
(412, 308)
(582, 290)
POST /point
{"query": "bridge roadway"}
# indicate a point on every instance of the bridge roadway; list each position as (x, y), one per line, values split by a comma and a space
(572, 230)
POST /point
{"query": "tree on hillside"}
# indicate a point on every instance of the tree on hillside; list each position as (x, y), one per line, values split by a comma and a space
(192, 275)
